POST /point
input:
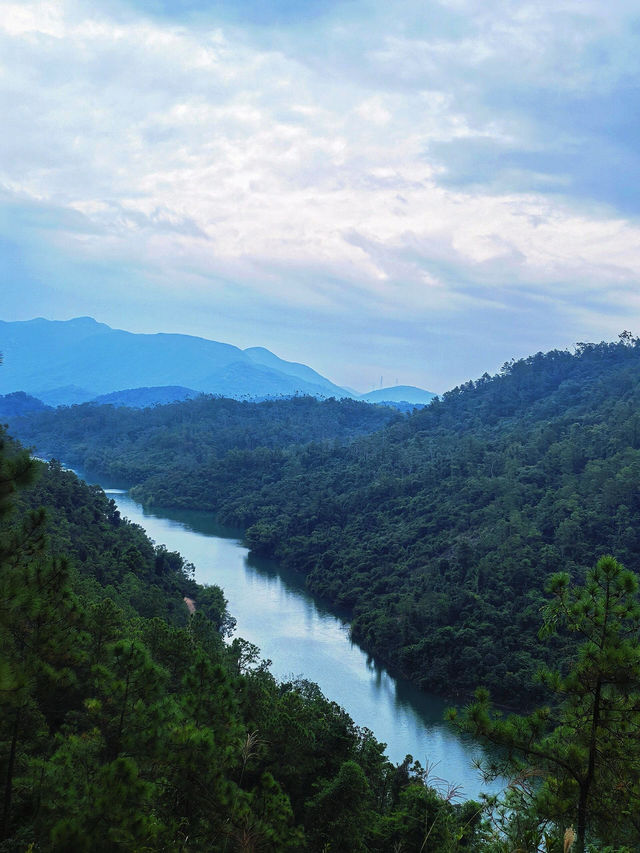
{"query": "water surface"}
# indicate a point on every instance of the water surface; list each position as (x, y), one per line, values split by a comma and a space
(303, 638)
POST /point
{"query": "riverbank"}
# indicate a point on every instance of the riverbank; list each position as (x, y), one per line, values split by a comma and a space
(303, 638)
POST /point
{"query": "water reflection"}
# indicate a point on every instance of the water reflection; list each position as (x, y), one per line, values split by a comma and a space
(304, 638)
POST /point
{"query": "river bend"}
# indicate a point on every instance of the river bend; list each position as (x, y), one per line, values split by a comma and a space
(303, 638)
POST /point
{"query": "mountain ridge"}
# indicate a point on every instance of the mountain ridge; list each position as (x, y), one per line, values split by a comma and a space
(67, 362)
(72, 361)
(398, 394)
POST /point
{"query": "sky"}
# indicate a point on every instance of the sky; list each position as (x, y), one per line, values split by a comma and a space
(410, 192)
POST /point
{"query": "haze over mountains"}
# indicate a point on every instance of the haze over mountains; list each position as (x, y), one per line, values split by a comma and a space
(397, 394)
(73, 361)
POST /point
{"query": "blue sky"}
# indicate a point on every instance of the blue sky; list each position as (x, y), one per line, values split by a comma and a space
(412, 190)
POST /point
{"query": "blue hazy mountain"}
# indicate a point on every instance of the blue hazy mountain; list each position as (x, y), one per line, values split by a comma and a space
(265, 357)
(66, 395)
(141, 398)
(70, 361)
(18, 404)
(398, 394)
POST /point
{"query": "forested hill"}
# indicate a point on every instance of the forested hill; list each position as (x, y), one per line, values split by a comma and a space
(127, 724)
(130, 444)
(439, 530)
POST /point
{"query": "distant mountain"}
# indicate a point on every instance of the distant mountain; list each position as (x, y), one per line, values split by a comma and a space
(19, 403)
(66, 395)
(141, 398)
(73, 361)
(398, 394)
(263, 356)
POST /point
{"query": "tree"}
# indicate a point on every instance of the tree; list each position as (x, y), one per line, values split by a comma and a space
(586, 747)
(339, 814)
(32, 593)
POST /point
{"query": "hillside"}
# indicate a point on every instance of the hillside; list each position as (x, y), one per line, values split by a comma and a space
(399, 394)
(128, 444)
(126, 724)
(66, 362)
(142, 398)
(19, 403)
(439, 530)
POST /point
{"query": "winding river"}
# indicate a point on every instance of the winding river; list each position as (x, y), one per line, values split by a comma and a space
(304, 639)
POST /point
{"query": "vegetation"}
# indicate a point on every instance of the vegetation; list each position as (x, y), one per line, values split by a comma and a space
(129, 445)
(121, 731)
(585, 748)
(19, 403)
(126, 724)
(438, 530)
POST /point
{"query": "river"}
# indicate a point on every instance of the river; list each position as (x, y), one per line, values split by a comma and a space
(303, 638)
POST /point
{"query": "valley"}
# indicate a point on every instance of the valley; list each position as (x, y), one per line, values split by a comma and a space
(435, 531)
(433, 534)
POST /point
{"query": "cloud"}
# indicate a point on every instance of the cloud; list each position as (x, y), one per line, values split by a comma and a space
(240, 12)
(327, 171)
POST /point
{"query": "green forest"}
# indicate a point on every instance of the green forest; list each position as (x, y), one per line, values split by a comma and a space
(128, 724)
(437, 531)
(466, 539)
(129, 445)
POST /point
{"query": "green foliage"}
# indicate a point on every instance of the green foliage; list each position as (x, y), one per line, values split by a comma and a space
(128, 445)
(127, 724)
(340, 811)
(110, 558)
(436, 531)
(585, 748)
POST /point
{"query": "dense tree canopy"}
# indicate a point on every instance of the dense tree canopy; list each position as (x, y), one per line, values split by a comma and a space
(129, 444)
(585, 747)
(438, 530)
(127, 724)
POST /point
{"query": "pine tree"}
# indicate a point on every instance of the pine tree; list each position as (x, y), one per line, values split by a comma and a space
(586, 747)
(37, 612)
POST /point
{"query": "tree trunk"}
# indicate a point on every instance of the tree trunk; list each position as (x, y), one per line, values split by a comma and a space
(582, 820)
(8, 787)
(591, 766)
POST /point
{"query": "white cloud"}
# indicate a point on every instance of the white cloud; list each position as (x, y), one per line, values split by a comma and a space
(201, 156)
(373, 110)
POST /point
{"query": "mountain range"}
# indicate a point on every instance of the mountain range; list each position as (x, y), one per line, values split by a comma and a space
(63, 362)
